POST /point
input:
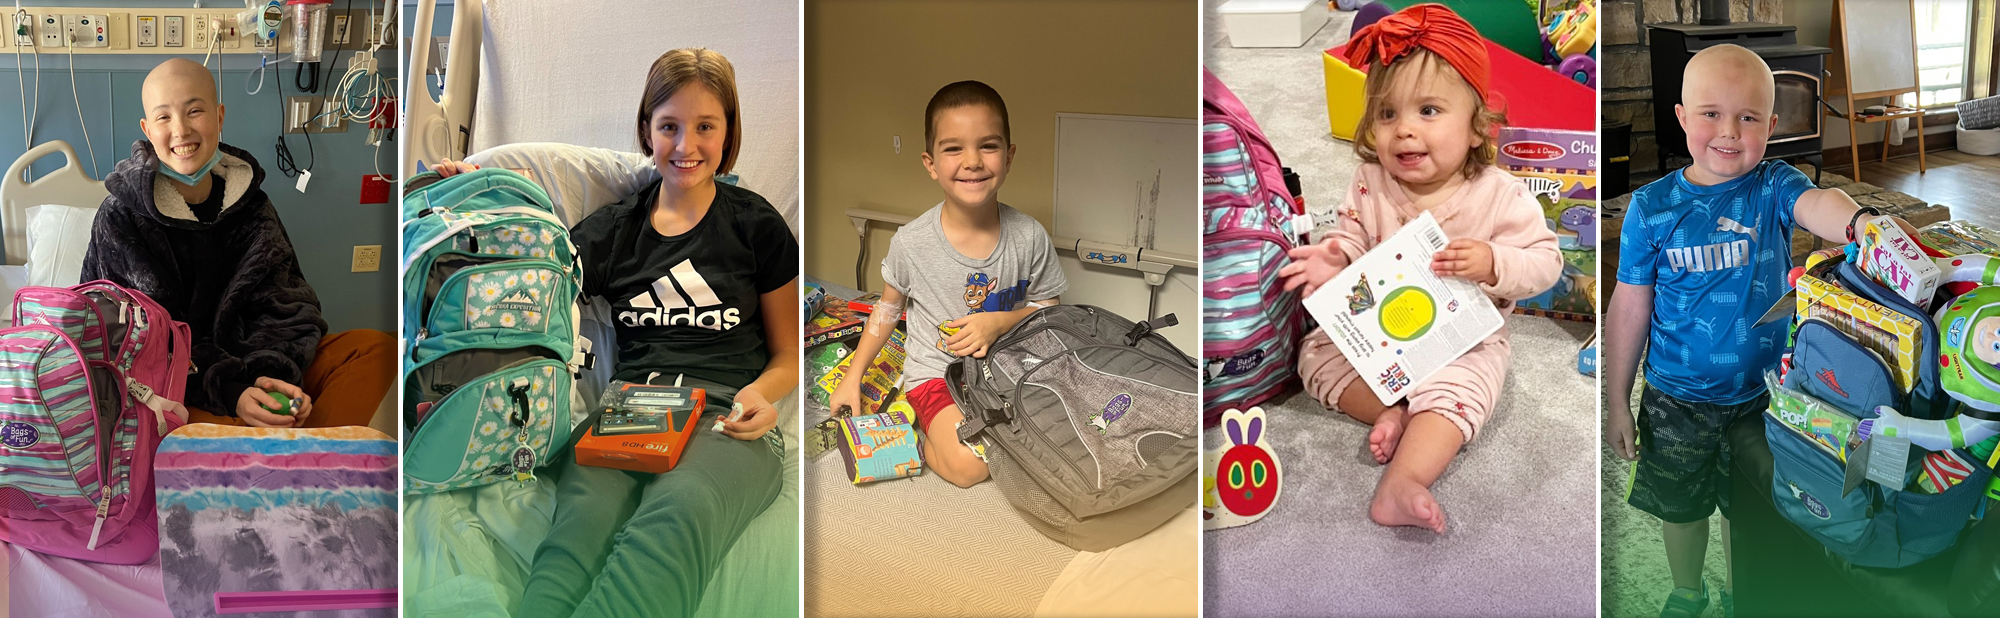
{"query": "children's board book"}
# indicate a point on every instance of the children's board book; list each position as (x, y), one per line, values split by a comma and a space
(1396, 322)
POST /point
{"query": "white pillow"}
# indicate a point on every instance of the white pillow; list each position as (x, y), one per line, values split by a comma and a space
(57, 237)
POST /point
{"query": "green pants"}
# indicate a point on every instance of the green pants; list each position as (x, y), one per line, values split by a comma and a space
(645, 545)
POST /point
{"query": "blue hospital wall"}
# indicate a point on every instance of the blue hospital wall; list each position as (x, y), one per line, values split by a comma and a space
(325, 222)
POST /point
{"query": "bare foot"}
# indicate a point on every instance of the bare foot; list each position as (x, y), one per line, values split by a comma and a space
(1387, 434)
(1405, 502)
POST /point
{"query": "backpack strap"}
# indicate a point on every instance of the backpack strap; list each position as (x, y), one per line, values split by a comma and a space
(1148, 327)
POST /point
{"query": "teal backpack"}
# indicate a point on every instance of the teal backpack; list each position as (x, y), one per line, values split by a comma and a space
(490, 293)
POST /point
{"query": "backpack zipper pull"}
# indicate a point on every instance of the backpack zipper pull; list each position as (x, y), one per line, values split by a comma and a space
(103, 513)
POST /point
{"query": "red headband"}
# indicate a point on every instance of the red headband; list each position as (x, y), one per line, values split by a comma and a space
(1429, 26)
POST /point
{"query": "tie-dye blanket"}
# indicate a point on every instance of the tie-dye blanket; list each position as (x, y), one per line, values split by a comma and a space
(246, 509)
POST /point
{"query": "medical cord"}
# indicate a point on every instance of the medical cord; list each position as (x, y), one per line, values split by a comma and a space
(263, 60)
(78, 100)
(299, 74)
(27, 118)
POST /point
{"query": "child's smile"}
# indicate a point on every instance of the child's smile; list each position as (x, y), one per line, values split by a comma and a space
(970, 154)
(688, 135)
(1422, 127)
(1727, 122)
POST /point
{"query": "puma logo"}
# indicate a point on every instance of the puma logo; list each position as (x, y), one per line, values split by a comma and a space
(1723, 224)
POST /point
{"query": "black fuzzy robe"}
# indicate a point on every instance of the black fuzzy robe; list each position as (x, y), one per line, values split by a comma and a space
(235, 282)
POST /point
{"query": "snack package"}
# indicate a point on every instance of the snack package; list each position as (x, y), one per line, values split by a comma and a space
(1825, 424)
(878, 381)
(820, 361)
(879, 447)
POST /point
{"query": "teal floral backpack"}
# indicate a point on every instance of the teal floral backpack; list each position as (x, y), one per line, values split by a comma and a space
(490, 293)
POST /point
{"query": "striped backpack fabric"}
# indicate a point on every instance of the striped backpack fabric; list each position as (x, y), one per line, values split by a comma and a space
(490, 293)
(91, 378)
(1250, 327)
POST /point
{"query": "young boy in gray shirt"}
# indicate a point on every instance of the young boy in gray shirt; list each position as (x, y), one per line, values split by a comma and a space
(966, 271)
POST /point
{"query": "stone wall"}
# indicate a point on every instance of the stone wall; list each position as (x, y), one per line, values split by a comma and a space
(1625, 75)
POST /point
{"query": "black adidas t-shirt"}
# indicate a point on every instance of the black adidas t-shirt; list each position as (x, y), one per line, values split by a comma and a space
(688, 303)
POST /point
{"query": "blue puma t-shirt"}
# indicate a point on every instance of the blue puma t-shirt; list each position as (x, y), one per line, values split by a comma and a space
(1716, 257)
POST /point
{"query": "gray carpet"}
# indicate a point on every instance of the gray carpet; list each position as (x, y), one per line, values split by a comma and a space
(1636, 579)
(1521, 525)
(919, 547)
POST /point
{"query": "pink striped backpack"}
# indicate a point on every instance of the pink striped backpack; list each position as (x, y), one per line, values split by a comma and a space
(90, 380)
(1250, 328)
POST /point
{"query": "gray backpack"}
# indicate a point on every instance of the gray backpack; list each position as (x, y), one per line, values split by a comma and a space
(1092, 423)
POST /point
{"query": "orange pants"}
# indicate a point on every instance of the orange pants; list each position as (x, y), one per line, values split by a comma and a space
(350, 374)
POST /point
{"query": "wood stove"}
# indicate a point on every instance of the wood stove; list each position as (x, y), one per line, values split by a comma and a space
(1798, 70)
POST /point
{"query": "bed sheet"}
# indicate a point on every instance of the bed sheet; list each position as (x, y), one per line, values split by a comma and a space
(466, 553)
(52, 587)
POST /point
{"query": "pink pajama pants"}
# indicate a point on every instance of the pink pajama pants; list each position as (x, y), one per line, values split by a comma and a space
(1464, 391)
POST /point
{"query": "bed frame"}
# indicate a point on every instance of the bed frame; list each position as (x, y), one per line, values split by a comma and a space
(67, 185)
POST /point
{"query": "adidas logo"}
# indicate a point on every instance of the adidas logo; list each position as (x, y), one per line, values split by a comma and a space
(678, 299)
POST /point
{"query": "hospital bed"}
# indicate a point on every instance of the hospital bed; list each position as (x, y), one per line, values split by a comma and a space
(467, 552)
(37, 584)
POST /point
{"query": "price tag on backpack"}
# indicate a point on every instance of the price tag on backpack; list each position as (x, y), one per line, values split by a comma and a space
(1883, 459)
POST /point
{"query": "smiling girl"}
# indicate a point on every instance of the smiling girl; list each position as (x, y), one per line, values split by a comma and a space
(703, 280)
(1426, 141)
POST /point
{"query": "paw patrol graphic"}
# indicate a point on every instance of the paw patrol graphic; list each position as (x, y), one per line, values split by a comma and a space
(983, 293)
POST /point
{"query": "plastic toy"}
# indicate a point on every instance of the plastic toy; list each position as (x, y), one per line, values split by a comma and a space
(1969, 353)
(1240, 480)
(286, 407)
(1571, 43)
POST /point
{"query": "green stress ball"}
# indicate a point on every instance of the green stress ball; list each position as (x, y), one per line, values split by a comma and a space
(285, 406)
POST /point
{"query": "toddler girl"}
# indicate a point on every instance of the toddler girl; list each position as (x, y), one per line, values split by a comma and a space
(1426, 141)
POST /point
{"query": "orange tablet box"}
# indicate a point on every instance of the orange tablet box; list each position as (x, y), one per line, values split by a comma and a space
(648, 432)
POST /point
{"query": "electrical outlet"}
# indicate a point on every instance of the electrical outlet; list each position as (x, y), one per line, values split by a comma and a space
(24, 30)
(367, 258)
(149, 31)
(171, 33)
(299, 113)
(330, 119)
(201, 31)
(340, 23)
(52, 31)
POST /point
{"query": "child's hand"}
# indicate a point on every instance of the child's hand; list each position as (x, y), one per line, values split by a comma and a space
(1618, 433)
(847, 394)
(253, 405)
(1468, 259)
(975, 333)
(448, 168)
(1312, 266)
(758, 416)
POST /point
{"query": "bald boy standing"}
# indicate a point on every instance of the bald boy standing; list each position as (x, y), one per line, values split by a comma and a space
(1704, 252)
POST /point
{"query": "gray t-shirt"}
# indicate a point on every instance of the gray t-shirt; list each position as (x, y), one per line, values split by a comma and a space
(944, 285)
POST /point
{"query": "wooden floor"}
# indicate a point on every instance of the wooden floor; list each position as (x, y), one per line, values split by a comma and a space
(1969, 184)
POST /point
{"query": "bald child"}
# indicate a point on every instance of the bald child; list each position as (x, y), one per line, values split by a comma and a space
(1704, 253)
(188, 223)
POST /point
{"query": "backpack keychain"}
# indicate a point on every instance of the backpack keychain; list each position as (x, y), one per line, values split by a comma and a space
(523, 458)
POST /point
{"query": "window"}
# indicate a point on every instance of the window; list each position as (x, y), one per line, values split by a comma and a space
(1943, 32)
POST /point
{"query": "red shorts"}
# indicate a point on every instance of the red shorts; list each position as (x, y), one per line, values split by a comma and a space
(928, 399)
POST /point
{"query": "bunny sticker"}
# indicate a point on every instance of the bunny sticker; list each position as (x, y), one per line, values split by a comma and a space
(1239, 479)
